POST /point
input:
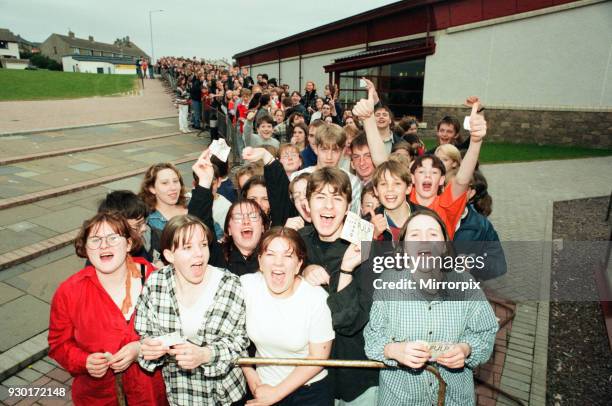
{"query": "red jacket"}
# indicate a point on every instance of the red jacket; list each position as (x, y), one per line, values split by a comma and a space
(84, 319)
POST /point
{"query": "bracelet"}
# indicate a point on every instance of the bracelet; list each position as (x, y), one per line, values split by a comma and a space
(480, 110)
(346, 272)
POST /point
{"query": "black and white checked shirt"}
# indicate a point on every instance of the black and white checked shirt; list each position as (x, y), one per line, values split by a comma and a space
(223, 331)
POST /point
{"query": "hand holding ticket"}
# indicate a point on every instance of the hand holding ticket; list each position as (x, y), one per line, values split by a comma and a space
(437, 348)
(220, 149)
(356, 230)
(168, 340)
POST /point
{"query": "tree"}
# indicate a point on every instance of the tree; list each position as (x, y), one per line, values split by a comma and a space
(44, 62)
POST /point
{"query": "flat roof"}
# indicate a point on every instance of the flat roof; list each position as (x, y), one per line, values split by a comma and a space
(343, 23)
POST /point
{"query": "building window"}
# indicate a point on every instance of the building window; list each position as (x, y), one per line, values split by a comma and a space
(399, 86)
(3, 44)
(54, 50)
(76, 51)
(91, 52)
(99, 53)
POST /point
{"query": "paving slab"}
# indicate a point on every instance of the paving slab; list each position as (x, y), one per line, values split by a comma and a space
(8, 293)
(64, 220)
(23, 317)
(42, 282)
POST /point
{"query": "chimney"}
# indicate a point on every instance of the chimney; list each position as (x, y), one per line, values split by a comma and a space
(91, 38)
(71, 34)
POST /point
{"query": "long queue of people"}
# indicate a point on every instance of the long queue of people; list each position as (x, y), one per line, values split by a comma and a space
(179, 284)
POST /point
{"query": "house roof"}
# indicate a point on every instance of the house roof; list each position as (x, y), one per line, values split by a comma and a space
(7, 35)
(131, 49)
(108, 59)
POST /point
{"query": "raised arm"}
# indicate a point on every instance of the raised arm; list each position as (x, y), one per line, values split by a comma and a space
(364, 109)
(201, 204)
(478, 129)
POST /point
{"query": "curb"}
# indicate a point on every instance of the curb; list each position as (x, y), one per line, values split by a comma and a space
(29, 252)
(41, 130)
(20, 356)
(50, 154)
(46, 194)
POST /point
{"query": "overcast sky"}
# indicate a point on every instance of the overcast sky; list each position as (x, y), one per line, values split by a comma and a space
(185, 27)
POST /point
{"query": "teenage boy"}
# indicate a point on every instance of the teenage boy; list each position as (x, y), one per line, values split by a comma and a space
(328, 145)
(428, 171)
(130, 206)
(335, 263)
(392, 186)
(265, 127)
(448, 132)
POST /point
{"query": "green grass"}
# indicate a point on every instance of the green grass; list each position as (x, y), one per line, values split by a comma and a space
(45, 85)
(497, 152)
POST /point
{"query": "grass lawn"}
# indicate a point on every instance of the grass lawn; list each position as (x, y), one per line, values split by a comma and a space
(45, 85)
(496, 152)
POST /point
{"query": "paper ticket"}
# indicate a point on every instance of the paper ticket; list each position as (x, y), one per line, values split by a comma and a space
(437, 348)
(466, 123)
(356, 230)
(168, 340)
(220, 149)
(108, 356)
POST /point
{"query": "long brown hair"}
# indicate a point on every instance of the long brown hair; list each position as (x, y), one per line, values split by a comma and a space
(149, 182)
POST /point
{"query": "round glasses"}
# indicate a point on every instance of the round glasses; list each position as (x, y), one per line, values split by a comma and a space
(239, 217)
(112, 240)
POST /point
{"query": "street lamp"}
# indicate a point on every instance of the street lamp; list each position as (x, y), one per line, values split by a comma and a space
(151, 28)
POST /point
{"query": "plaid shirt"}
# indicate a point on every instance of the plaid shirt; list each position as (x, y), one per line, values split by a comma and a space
(218, 382)
(413, 318)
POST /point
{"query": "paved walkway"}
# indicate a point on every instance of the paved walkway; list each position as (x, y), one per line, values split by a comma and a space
(152, 102)
(523, 195)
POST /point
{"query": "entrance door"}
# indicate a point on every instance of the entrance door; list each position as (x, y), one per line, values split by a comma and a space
(399, 86)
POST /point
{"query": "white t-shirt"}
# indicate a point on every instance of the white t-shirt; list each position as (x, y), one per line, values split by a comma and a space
(192, 317)
(283, 327)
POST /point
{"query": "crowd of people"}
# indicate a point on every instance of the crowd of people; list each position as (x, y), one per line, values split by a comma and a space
(182, 280)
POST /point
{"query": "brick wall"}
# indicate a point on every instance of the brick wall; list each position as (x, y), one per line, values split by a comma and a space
(572, 128)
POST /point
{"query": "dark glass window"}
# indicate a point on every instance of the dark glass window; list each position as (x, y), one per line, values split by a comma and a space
(399, 86)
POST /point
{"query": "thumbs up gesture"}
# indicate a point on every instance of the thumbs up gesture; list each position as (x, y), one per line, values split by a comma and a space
(365, 107)
(478, 125)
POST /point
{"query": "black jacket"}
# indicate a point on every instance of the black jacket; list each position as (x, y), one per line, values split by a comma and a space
(309, 99)
(277, 185)
(196, 90)
(477, 236)
(350, 310)
(200, 206)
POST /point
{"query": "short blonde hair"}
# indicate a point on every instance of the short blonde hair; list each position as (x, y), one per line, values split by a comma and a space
(330, 134)
(450, 151)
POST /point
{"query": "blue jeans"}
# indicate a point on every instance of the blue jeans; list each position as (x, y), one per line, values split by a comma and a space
(196, 112)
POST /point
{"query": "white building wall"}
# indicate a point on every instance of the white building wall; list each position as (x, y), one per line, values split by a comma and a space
(11, 65)
(556, 60)
(290, 69)
(312, 69)
(69, 65)
(11, 52)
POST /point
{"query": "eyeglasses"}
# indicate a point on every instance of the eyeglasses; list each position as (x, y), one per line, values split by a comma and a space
(112, 240)
(240, 217)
